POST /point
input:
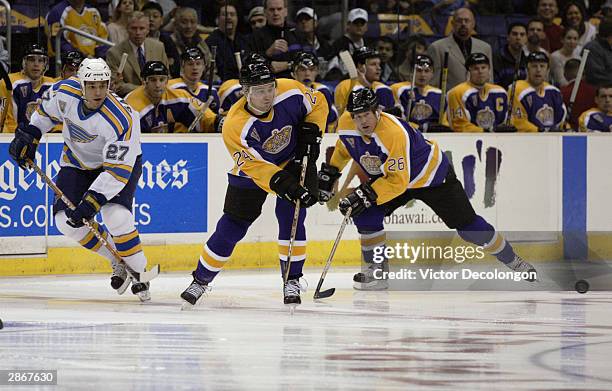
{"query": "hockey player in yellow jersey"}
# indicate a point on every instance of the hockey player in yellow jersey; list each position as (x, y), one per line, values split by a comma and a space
(598, 119)
(101, 163)
(29, 86)
(367, 62)
(538, 106)
(193, 66)
(476, 105)
(166, 110)
(267, 132)
(305, 69)
(401, 165)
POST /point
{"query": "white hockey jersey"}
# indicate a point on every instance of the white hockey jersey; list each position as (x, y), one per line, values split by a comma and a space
(108, 137)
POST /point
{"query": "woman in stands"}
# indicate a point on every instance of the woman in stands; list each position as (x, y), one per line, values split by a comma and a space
(574, 16)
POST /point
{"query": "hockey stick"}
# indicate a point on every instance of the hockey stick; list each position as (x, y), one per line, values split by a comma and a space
(327, 293)
(145, 276)
(296, 216)
(412, 94)
(9, 87)
(568, 114)
(349, 64)
(517, 67)
(124, 58)
(443, 84)
(238, 60)
(200, 114)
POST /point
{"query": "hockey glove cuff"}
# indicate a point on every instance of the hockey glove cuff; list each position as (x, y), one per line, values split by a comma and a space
(362, 198)
(328, 175)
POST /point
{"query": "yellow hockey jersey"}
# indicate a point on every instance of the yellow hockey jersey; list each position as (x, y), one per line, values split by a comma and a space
(229, 93)
(595, 120)
(396, 157)
(24, 99)
(475, 110)
(540, 110)
(201, 92)
(174, 113)
(261, 145)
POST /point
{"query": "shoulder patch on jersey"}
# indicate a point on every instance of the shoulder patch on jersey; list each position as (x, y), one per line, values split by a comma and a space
(255, 135)
(78, 134)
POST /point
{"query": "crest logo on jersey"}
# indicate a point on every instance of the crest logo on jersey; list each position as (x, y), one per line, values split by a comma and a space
(485, 118)
(371, 163)
(62, 106)
(546, 115)
(421, 111)
(278, 140)
(31, 107)
(78, 134)
(255, 135)
(24, 90)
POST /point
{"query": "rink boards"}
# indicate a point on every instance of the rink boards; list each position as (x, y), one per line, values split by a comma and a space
(542, 188)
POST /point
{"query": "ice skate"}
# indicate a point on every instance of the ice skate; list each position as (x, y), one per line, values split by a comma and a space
(141, 289)
(372, 279)
(119, 279)
(292, 291)
(520, 265)
(193, 293)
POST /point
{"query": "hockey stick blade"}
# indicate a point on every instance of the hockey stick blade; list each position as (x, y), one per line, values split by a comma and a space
(145, 276)
(325, 294)
(349, 64)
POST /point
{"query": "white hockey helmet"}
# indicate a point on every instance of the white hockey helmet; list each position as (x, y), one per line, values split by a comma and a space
(93, 69)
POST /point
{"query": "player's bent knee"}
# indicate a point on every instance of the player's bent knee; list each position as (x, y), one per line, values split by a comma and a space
(117, 219)
(62, 226)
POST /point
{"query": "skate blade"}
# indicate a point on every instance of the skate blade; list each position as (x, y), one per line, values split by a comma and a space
(187, 306)
(121, 290)
(291, 308)
(144, 296)
(377, 286)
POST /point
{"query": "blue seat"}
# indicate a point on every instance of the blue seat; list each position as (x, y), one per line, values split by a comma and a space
(491, 25)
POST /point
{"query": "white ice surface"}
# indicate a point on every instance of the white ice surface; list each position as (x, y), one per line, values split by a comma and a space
(243, 338)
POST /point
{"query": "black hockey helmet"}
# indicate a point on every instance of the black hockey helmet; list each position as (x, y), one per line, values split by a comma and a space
(153, 68)
(537, 57)
(306, 60)
(363, 53)
(362, 100)
(423, 61)
(192, 53)
(73, 58)
(254, 57)
(256, 73)
(35, 49)
(476, 58)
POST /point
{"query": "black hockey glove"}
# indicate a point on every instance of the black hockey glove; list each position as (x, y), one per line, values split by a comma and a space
(328, 175)
(24, 145)
(287, 187)
(87, 208)
(503, 128)
(360, 199)
(308, 135)
(438, 128)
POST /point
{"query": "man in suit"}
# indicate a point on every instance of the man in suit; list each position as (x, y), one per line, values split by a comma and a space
(459, 46)
(140, 49)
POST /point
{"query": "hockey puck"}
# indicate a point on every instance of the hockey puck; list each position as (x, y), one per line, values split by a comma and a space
(582, 286)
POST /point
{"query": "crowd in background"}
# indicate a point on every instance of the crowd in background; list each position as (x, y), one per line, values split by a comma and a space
(399, 47)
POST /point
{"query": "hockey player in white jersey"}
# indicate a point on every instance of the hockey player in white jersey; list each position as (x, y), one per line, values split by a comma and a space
(100, 165)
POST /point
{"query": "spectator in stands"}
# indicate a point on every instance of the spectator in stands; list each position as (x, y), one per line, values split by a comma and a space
(547, 12)
(536, 37)
(505, 59)
(492, 7)
(386, 48)
(117, 29)
(276, 40)
(228, 41)
(140, 49)
(193, 70)
(165, 110)
(29, 85)
(538, 106)
(459, 45)
(414, 46)
(599, 65)
(257, 18)
(423, 99)
(70, 64)
(185, 36)
(155, 13)
(367, 62)
(585, 97)
(306, 21)
(76, 14)
(477, 105)
(570, 49)
(305, 69)
(599, 119)
(356, 27)
(574, 16)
